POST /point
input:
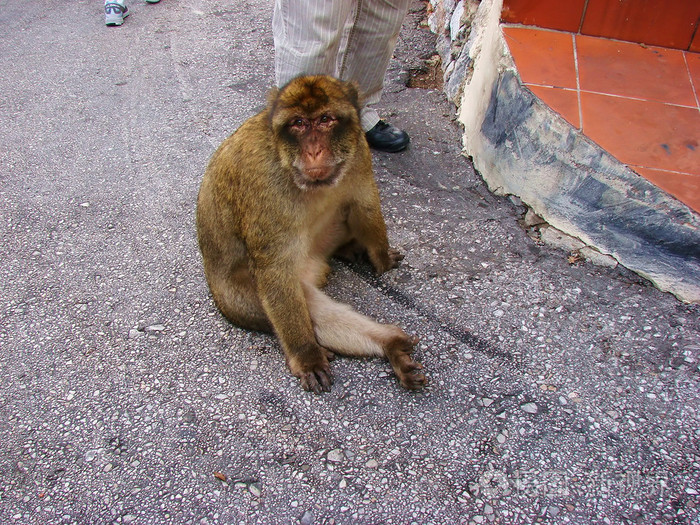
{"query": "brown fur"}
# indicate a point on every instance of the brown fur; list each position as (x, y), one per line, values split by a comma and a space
(290, 187)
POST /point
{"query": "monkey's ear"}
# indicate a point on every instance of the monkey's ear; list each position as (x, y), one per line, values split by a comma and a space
(352, 91)
(272, 96)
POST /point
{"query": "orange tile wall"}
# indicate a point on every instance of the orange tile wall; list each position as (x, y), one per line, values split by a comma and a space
(666, 23)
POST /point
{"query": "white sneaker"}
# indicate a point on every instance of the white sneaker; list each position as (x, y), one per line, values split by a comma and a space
(115, 12)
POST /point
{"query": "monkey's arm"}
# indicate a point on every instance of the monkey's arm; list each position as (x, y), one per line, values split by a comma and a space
(367, 226)
(282, 297)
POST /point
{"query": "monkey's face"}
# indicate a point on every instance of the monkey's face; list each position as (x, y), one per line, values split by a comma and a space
(316, 123)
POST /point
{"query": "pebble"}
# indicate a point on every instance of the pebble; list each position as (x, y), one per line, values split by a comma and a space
(530, 408)
(307, 518)
(335, 455)
(372, 464)
(255, 489)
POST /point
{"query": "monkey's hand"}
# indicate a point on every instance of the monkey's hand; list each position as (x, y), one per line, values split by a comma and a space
(310, 365)
(386, 261)
(409, 372)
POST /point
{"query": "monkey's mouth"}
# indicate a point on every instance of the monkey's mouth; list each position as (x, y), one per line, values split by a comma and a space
(319, 177)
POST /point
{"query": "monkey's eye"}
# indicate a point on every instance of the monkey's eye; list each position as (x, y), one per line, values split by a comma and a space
(326, 120)
(298, 123)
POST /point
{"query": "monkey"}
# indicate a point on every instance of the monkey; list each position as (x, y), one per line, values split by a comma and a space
(289, 189)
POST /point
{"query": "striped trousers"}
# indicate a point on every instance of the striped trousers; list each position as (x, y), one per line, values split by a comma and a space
(348, 39)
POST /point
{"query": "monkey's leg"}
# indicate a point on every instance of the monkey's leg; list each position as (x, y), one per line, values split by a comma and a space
(235, 295)
(343, 330)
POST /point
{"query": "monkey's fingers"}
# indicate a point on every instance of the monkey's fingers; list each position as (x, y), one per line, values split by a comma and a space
(415, 379)
(409, 372)
(317, 381)
(395, 256)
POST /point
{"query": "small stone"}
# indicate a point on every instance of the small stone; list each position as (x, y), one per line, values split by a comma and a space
(553, 511)
(90, 455)
(335, 456)
(371, 464)
(255, 489)
(530, 408)
(154, 328)
(559, 239)
(501, 438)
(498, 313)
(134, 333)
(597, 258)
(532, 219)
(307, 518)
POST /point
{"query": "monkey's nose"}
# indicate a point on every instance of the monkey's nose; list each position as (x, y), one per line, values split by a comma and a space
(314, 152)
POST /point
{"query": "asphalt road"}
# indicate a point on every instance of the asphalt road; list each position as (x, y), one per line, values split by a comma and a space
(559, 393)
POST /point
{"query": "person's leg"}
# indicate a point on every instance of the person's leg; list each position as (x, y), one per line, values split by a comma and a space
(307, 36)
(370, 45)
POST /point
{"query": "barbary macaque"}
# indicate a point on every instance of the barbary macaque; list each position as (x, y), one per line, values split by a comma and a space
(291, 187)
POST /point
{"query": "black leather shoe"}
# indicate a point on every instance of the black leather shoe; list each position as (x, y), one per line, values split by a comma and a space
(385, 137)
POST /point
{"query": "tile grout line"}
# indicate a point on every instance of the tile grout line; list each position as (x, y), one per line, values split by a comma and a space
(652, 168)
(692, 84)
(578, 83)
(638, 99)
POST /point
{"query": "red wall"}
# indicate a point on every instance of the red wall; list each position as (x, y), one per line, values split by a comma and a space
(666, 23)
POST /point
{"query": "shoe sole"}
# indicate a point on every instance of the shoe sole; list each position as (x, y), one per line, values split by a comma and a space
(389, 149)
(115, 20)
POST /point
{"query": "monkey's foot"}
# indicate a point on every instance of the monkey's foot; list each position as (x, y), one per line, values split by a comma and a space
(313, 370)
(409, 372)
(395, 256)
(385, 260)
